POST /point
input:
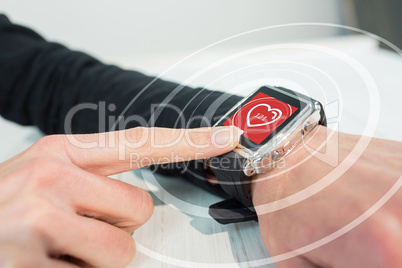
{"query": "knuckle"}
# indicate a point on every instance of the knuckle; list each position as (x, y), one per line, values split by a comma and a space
(123, 250)
(200, 139)
(39, 169)
(19, 262)
(140, 209)
(39, 163)
(40, 215)
(137, 135)
(47, 144)
(130, 250)
(146, 206)
(22, 255)
(137, 140)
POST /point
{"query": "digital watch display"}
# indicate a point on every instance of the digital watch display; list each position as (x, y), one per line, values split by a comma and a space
(274, 120)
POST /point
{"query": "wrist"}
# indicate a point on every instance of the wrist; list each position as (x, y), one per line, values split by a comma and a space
(285, 177)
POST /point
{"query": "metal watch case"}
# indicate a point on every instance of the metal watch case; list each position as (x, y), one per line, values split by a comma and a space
(268, 155)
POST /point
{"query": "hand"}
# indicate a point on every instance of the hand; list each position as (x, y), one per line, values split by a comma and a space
(58, 208)
(314, 215)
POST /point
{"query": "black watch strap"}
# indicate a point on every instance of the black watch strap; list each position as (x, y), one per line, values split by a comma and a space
(228, 168)
(231, 211)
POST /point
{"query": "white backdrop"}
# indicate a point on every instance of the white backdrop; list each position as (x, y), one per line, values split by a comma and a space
(112, 29)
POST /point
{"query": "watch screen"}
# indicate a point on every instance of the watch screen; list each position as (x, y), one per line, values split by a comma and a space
(263, 114)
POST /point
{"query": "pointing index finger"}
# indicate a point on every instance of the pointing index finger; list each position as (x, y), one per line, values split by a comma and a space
(116, 152)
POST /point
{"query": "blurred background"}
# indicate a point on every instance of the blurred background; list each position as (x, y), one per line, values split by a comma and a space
(110, 29)
(114, 28)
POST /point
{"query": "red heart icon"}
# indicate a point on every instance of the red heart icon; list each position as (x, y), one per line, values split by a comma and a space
(274, 111)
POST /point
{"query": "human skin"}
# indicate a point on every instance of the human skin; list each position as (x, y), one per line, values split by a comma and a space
(58, 208)
(364, 200)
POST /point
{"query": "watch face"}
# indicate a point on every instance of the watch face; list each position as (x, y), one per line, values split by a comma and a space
(263, 114)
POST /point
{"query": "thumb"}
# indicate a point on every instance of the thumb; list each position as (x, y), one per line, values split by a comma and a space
(138, 147)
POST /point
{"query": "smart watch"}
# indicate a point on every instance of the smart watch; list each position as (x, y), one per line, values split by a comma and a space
(274, 121)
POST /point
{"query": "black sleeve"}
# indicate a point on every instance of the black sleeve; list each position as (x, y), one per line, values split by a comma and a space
(40, 82)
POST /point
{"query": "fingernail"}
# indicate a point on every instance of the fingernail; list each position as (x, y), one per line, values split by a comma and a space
(227, 136)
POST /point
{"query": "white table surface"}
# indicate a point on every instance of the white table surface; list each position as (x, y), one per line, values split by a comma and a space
(180, 233)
